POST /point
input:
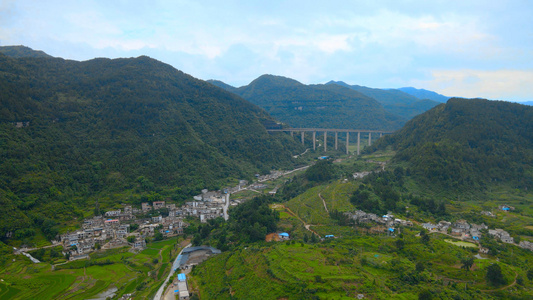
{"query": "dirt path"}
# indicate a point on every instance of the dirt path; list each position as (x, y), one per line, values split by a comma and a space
(307, 226)
(504, 287)
(323, 201)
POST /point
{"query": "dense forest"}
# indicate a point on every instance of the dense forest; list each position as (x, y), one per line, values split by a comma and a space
(316, 106)
(117, 131)
(467, 144)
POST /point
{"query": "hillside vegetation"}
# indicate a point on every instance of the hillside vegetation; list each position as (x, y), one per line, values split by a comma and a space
(118, 131)
(316, 106)
(364, 258)
(468, 144)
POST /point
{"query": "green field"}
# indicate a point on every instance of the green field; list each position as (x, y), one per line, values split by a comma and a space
(343, 268)
(83, 279)
(461, 243)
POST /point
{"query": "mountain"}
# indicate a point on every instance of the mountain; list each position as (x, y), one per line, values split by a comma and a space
(22, 51)
(468, 143)
(318, 106)
(119, 131)
(394, 101)
(527, 103)
(424, 94)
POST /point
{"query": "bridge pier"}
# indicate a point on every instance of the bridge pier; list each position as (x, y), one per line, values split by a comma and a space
(358, 143)
(293, 131)
(347, 141)
(325, 141)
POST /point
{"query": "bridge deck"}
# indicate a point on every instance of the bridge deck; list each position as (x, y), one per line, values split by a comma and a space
(328, 130)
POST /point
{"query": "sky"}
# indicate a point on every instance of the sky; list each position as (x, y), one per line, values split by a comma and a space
(464, 48)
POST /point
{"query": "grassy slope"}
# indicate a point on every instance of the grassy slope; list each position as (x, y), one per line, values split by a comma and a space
(343, 268)
(369, 264)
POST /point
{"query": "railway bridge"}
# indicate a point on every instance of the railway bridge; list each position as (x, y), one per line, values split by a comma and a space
(313, 131)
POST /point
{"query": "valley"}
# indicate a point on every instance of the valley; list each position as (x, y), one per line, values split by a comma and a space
(113, 171)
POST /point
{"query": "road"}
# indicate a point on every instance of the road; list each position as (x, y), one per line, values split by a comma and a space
(159, 294)
(226, 206)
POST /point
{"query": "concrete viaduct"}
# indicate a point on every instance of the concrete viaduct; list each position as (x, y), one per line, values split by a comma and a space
(325, 131)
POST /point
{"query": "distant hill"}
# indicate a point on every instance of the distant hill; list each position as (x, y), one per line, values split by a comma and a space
(223, 85)
(119, 131)
(424, 94)
(527, 103)
(394, 101)
(319, 106)
(21, 51)
(467, 143)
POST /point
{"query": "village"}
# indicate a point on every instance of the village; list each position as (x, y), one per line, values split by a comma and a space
(460, 229)
(131, 226)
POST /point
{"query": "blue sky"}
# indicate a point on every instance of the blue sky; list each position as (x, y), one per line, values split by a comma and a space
(457, 48)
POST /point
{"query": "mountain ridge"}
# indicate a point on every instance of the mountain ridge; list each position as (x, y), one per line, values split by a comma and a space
(424, 94)
(328, 106)
(468, 143)
(74, 132)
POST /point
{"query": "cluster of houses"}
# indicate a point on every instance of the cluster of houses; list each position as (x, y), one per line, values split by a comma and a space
(460, 229)
(466, 231)
(502, 235)
(526, 245)
(204, 210)
(113, 229)
(273, 175)
(388, 220)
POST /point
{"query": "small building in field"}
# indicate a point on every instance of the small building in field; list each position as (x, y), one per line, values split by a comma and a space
(284, 236)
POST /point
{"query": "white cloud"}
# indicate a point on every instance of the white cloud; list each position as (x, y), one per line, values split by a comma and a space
(499, 84)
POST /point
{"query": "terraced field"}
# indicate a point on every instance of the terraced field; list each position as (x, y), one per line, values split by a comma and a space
(116, 269)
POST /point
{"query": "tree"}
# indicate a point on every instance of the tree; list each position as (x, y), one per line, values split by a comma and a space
(425, 238)
(467, 263)
(530, 274)
(158, 236)
(494, 275)
(131, 239)
(400, 244)
(419, 267)
(134, 227)
(425, 295)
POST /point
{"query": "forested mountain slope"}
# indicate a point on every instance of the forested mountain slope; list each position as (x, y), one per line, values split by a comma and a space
(72, 131)
(394, 101)
(21, 51)
(467, 143)
(319, 106)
